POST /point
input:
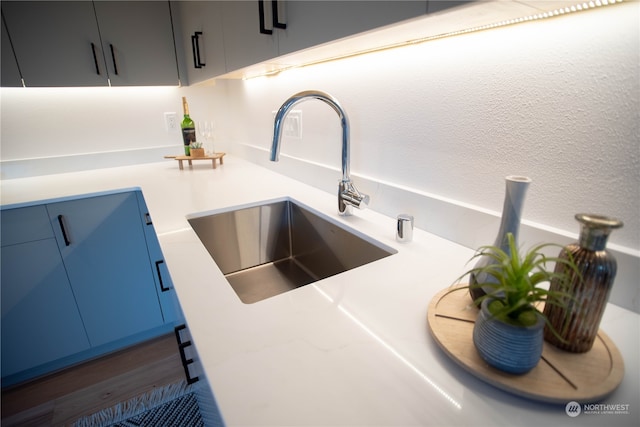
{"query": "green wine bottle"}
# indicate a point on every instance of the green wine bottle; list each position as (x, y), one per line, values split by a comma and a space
(188, 128)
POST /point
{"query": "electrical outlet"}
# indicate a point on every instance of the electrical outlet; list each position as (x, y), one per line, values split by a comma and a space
(170, 122)
(292, 126)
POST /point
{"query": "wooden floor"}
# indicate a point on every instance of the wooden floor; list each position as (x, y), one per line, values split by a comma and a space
(61, 398)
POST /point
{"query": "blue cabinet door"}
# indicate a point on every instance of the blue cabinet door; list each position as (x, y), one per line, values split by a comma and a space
(103, 246)
(40, 319)
(171, 311)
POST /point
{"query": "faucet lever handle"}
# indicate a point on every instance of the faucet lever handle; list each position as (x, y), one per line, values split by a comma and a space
(350, 195)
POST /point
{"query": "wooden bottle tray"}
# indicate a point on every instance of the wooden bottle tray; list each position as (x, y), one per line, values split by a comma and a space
(189, 159)
(560, 377)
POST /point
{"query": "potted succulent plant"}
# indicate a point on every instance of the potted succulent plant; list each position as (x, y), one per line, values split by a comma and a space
(196, 150)
(509, 330)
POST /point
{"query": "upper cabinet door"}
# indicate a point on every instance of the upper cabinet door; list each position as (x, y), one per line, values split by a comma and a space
(10, 74)
(310, 23)
(137, 41)
(56, 43)
(202, 39)
(244, 42)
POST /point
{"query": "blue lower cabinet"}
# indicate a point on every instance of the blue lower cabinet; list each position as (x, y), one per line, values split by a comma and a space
(80, 278)
(40, 318)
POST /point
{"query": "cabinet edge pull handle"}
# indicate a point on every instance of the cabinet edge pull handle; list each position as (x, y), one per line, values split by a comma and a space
(162, 287)
(263, 29)
(198, 34)
(147, 218)
(195, 45)
(113, 58)
(67, 242)
(195, 54)
(95, 57)
(276, 18)
(183, 357)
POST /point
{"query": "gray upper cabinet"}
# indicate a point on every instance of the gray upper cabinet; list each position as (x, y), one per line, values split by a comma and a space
(435, 6)
(56, 43)
(73, 43)
(244, 42)
(238, 34)
(310, 23)
(298, 25)
(202, 38)
(10, 73)
(137, 41)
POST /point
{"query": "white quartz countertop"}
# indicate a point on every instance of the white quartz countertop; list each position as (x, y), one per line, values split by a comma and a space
(350, 350)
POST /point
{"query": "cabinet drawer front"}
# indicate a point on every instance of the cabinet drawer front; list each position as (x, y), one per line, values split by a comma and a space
(23, 225)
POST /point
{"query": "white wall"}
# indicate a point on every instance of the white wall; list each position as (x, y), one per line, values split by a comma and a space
(50, 130)
(556, 100)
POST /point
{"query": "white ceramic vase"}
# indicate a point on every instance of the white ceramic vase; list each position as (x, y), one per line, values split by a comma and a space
(516, 188)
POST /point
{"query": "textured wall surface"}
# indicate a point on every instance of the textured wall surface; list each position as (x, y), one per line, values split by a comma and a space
(556, 100)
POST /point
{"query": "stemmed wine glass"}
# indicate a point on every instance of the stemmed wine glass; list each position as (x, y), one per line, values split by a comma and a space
(205, 129)
(208, 130)
(202, 130)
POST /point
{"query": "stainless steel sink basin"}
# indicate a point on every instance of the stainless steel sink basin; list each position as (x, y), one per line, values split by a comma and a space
(275, 247)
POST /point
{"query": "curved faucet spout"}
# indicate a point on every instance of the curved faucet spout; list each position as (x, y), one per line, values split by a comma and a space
(321, 96)
(348, 195)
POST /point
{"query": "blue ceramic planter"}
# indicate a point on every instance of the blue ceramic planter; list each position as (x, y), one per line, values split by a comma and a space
(510, 348)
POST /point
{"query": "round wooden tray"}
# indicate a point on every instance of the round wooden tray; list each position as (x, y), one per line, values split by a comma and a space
(560, 377)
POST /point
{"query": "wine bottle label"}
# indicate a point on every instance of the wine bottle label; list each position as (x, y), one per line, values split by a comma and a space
(188, 135)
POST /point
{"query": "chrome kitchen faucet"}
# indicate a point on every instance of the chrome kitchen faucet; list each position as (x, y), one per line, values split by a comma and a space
(348, 194)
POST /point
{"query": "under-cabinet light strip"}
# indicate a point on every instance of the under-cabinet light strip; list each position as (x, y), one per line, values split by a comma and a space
(543, 15)
(579, 7)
